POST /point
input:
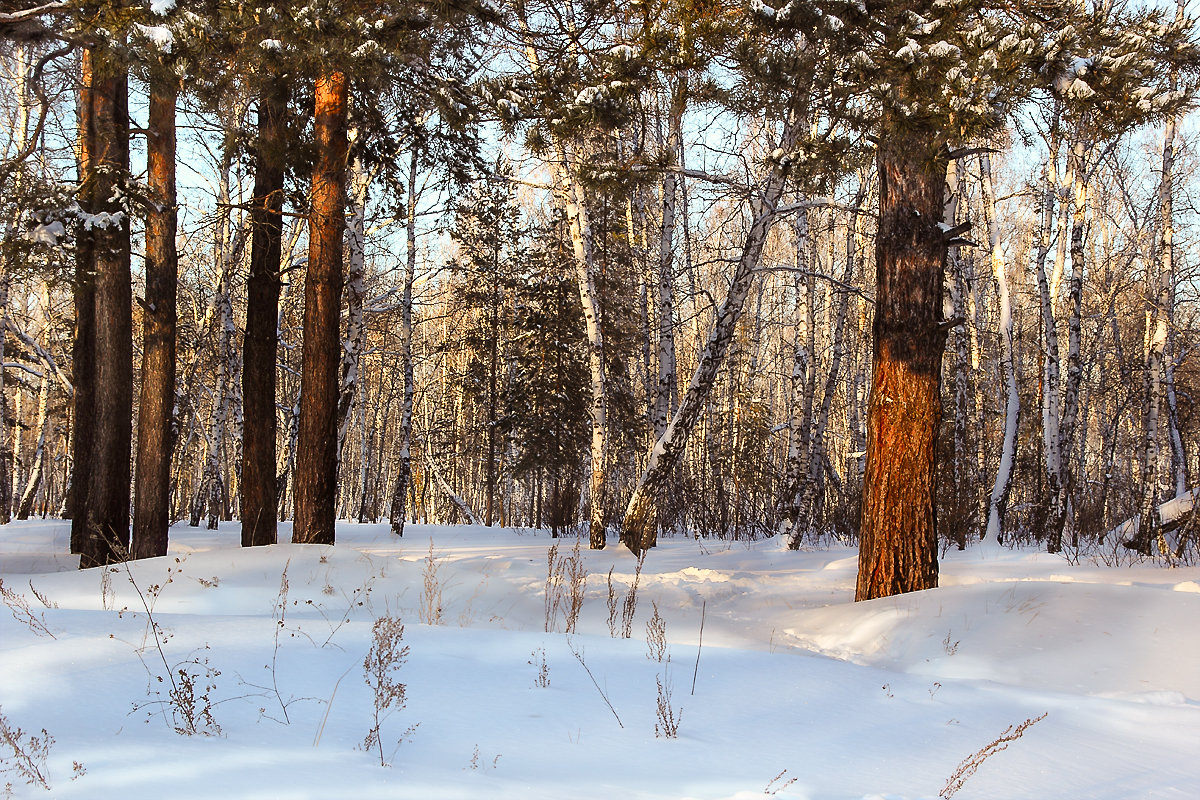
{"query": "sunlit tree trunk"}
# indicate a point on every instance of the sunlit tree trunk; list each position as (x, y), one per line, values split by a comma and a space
(152, 484)
(898, 534)
(315, 483)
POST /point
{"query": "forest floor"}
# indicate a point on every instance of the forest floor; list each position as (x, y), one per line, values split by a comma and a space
(798, 692)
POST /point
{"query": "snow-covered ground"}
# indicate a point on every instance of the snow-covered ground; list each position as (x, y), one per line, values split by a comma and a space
(799, 692)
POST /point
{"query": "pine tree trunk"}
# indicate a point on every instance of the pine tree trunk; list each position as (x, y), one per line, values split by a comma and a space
(260, 345)
(83, 353)
(315, 484)
(107, 532)
(898, 535)
(152, 484)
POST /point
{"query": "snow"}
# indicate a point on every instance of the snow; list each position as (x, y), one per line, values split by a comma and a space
(158, 35)
(162, 7)
(852, 700)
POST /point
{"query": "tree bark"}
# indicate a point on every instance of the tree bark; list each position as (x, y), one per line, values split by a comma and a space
(898, 535)
(399, 503)
(152, 484)
(998, 504)
(639, 528)
(260, 346)
(107, 530)
(83, 367)
(316, 462)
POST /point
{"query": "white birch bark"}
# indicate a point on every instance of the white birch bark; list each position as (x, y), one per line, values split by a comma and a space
(1072, 464)
(1160, 278)
(639, 527)
(795, 469)
(998, 502)
(356, 330)
(398, 508)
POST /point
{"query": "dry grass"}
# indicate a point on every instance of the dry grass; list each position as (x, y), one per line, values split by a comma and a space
(968, 766)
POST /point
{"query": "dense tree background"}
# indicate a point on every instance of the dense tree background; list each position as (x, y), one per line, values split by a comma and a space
(591, 248)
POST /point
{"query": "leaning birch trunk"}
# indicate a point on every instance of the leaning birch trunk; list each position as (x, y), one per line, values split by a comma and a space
(795, 470)
(399, 504)
(998, 503)
(1158, 295)
(641, 514)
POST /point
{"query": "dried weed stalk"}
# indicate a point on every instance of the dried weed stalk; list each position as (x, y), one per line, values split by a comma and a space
(629, 607)
(566, 584)
(583, 663)
(22, 613)
(656, 636)
(430, 611)
(667, 726)
(189, 683)
(380, 668)
(537, 660)
(973, 762)
(24, 755)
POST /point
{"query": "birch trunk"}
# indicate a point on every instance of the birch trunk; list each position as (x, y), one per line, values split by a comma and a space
(795, 471)
(639, 527)
(356, 329)
(1052, 500)
(38, 462)
(1160, 278)
(1072, 468)
(998, 503)
(399, 504)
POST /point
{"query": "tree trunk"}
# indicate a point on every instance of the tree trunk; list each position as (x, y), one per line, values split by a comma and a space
(356, 329)
(639, 528)
(316, 462)
(399, 504)
(1072, 468)
(83, 364)
(898, 535)
(795, 470)
(107, 533)
(152, 484)
(261, 342)
(1159, 281)
(38, 462)
(998, 504)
